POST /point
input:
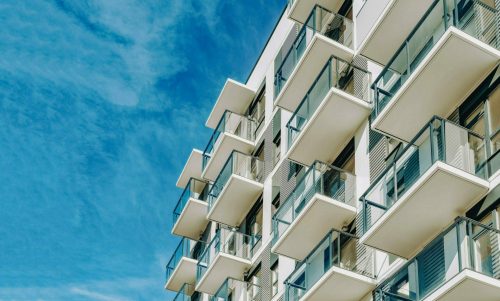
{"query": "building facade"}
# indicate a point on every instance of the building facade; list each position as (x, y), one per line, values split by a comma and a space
(358, 162)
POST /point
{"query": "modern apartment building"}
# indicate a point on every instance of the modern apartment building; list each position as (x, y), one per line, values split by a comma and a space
(359, 161)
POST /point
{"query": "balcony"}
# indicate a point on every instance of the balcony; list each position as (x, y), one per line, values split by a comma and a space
(383, 25)
(323, 199)
(236, 189)
(229, 254)
(181, 267)
(323, 35)
(460, 265)
(332, 110)
(234, 132)
(439, 64)
(189, 216)
(233, 289)
(192, 168)
(438, 175)
(234, 97)
(299, 10)
(338, 269)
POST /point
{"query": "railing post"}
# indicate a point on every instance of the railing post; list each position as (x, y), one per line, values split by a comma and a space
(443, 139)
(445, 15)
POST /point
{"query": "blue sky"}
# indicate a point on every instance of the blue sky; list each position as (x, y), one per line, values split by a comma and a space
(101, 102)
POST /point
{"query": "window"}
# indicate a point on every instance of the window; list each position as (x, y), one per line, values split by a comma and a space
(256, 111)
(295, 170)
(274, 279)
(277, 148)
(253, 286)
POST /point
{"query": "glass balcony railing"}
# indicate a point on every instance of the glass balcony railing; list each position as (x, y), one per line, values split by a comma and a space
(333, 26)
(196, 189)
(320, 178)
(440, 140)
(240, 164)
(338, 249)
(473, 17)
(184, 294)
(466, 245)
(339, 74)
(233, 289)
(230, 123)
(186, 248)
(230, 242)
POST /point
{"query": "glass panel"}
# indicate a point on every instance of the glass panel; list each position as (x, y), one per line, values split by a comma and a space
(196, 189)
(334, 26)
(183, 249)
(233, 289)
(320, 178)
(185, 293)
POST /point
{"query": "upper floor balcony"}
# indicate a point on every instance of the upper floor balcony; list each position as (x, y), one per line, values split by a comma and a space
(323, 199)
(338, 269)
(228, 255)
(233, 289)
(435, 177)
(190, 213)
(461, 264)
(236, 189)
(323, 34)
(181, 267)
(234, 132)
(299, 10)
(450, 51)
(382, 25)
(335, 106)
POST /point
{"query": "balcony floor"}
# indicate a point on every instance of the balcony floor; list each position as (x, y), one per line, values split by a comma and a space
(315, 57)
(193, 219)
(330, 127)
(185, 272)
(390, 30)
(440, 194)
(221, 153)
(224, 266)
(454, 66)
(235, 200)
(313, 223)
(467, 286)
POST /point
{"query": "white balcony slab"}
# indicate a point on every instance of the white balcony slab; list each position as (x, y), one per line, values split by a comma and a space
(234, 97)
(192, 168)
(340, 285)
(313, 223)
(225, 145)
(466, 286)
(193, 219)
(315, 57)
(394, 25)
(224, 266)
(301, 9)
(452, 69)
(442, 193)
(235, 200)
(331, 127)
(185, 272)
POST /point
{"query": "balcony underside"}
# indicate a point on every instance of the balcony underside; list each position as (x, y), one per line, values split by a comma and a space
(192, 169)
(224, 266)
(390, 30)
(315, 220)
(226, 144)
(234, 97)
(455, 65)
(340, 285)
(185, 272)
(301, 9)
(467, 286)
(316, 55)
(235, 200)
(330, 127)
(439, 195)
(193, 219)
